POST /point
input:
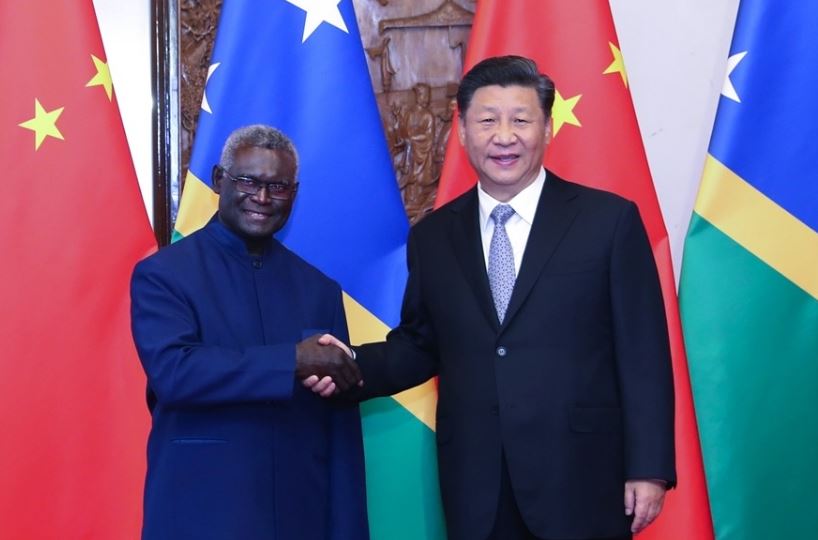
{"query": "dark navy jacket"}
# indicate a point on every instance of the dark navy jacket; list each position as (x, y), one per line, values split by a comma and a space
(238, 449)
(574, 387)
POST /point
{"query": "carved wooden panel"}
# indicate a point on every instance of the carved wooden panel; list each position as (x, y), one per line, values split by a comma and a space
(198, 20)
(415, 51)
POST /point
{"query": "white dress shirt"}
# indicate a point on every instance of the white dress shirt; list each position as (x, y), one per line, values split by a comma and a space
(518, 226)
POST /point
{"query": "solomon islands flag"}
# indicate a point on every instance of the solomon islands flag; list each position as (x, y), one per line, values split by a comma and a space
(749, 284)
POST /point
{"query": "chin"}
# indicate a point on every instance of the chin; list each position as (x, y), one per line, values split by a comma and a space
(256, 232)
(502, 182)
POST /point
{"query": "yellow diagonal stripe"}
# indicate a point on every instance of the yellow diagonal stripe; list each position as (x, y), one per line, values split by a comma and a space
(198, 205)
(759, 225)
(364, 327)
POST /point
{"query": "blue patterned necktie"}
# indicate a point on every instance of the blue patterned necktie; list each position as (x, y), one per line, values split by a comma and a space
(501, 261)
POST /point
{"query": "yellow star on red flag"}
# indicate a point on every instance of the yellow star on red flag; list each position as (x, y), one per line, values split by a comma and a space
(563, 111)
(102, 77)
(618, 64)
(44, 124)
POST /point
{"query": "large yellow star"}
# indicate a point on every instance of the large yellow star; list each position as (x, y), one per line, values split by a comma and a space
(563, 111)
(618, 64)
(103, 76)
(44, 124)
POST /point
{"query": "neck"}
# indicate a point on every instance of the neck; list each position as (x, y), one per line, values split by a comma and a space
(255, 246)
(506, 193)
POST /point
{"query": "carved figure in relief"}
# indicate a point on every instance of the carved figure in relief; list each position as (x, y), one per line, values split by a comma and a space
(387, 70)
(443, 133)
(417, 132)
(393, 134)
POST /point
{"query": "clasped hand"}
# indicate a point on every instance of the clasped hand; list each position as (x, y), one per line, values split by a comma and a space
(325, 365)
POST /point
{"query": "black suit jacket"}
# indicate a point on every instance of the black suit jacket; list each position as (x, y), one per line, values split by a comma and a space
(575, 386)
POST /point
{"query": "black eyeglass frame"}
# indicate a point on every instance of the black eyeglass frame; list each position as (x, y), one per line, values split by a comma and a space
(253, 186)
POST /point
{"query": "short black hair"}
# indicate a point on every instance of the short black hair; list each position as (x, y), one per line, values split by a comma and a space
(506, 71)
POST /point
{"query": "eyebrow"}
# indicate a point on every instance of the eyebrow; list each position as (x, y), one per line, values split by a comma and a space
(488, 108)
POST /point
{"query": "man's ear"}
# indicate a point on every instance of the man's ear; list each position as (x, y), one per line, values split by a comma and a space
(549, 130)
(216, 178)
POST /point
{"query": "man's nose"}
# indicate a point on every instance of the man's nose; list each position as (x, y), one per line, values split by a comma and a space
(505, 133)
(262, 196)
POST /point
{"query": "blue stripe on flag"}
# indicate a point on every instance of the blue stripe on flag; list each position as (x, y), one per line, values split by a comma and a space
(348, 218)
(770, 138)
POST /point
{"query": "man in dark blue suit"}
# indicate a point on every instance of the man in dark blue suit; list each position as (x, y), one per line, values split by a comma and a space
(225, 322)
(536, 302)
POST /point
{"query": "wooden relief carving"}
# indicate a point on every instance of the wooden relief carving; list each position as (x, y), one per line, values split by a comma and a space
(198, 20)
(415, 51)
(381, 55)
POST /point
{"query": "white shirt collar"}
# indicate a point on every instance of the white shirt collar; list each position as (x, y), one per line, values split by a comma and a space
(524, 203)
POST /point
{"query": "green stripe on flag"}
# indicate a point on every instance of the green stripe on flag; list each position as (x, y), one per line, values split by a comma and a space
(752, 343)
(403, 505)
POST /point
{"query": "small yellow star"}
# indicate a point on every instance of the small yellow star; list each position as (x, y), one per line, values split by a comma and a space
(44, 124)
(103, 76)
(618, 64)
(563, 111)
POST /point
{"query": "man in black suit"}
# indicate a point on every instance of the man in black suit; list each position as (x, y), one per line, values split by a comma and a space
(537, 303)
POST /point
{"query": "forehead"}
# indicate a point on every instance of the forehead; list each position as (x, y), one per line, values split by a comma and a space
(504, 98)
(253, 159)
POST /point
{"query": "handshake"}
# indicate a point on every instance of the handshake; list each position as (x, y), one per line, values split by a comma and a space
(324, 364)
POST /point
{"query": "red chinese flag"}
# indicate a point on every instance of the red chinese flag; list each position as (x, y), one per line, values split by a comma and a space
(596, 142)
(73, 419)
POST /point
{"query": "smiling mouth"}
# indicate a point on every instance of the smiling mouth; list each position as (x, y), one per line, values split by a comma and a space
(505, 159)
(256, 215)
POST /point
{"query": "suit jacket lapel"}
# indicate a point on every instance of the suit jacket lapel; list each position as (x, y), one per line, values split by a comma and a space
(468, 249)
(552, 220)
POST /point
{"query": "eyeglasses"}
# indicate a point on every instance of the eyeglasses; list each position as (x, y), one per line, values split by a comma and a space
(252, 186)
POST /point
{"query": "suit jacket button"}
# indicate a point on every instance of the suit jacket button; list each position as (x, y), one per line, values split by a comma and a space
(501, 351)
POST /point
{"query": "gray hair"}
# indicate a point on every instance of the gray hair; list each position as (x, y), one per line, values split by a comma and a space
(256, 136)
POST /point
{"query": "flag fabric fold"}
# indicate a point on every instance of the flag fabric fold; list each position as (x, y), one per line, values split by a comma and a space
(596, 142)
(300, 66)
(72, 225)
(749, 283)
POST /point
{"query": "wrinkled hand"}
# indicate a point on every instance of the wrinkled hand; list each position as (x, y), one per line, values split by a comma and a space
(643, 499)
(318, 365)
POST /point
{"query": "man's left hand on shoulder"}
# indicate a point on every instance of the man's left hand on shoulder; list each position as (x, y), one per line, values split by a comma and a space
(644, 500)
